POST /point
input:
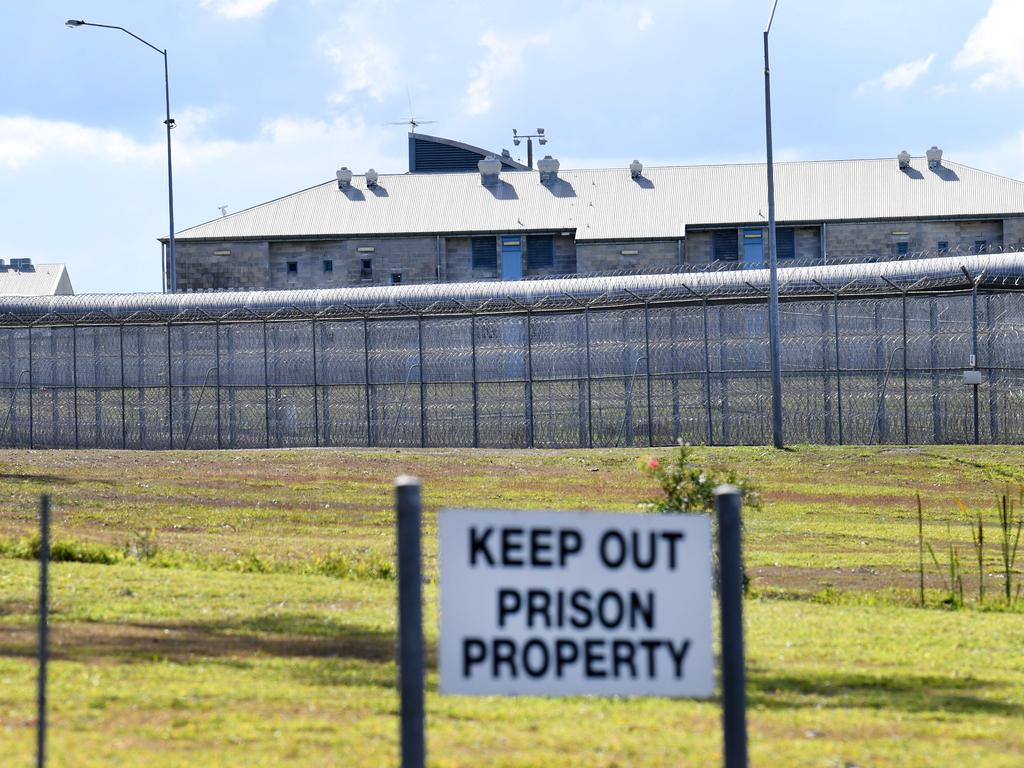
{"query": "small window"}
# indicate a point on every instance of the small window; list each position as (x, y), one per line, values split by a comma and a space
(785, 243)
(328, 265)
(396, 278)
(540, 252)
(902, 248)
(293, 267)
(485, 253)
(726, 245)
(980, 246)
(366, 269)
(943, 246)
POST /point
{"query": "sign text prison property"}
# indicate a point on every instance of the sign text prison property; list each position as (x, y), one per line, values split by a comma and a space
(568, 603)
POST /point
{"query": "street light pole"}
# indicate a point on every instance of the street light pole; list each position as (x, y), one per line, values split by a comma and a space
(773, 284)
(169, 123)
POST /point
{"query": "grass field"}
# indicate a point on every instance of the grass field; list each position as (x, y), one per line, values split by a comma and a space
(239, 609)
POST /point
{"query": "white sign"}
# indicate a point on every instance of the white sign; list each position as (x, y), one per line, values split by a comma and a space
(568, 603)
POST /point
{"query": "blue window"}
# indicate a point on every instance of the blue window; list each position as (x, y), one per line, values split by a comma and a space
(725, 245)
(902, 248)
(980, 246)
(328, 265)
(485, 253)
(293, 267)
(943, 246)
(785, 243)
(540, 252)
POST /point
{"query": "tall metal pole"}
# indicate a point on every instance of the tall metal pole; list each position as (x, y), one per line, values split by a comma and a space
(410, 622)
(773, 286)
(169, 123)
(44, 626)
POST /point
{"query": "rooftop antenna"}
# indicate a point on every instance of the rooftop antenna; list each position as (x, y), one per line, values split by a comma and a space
(223, 210)
(412, 122)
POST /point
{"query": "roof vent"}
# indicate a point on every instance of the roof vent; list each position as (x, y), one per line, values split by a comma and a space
(548, 167)
(489, 167)
(635, 169)
(934, 156)
(904, 160)
(371, 178)
(344, 177)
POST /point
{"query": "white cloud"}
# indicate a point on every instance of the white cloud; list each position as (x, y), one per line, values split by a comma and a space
(237, 9)
(361, 61)
(645, 19)
(899, 77)
(25, 139)
(994, 43)
(504, 58)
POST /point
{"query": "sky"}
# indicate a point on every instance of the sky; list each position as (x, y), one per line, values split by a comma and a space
(272, 96)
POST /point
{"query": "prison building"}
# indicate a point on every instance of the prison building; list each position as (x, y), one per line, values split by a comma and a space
(456, 218)
(20, 277)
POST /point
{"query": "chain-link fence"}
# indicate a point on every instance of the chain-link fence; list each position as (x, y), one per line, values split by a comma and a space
(648, 370)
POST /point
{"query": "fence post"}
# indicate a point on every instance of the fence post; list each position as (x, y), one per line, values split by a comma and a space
(993, 397)
(974, 354)
(44, 627)
(423, 386)
(170, 392)
(734, 685)
(74, 378)
(266, 387)
(476, 404)
(124, 421)
(590, 399)
(647, 371)
(906, 390)
(933, 359)
(826, 384)
(529, 377)
(410, 622)
(366, 379)
(707, 373)
(839, 367)
(216, 360)
(316, 398)
(31, 414)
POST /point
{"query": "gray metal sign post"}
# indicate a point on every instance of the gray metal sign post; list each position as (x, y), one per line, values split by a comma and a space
(734, 685)
(410, 622)
(44, 639)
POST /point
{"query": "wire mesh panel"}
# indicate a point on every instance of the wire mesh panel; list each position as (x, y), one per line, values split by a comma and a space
(241, 386)
(98, 379)
(194, 386)
(503, 403)
(395, 375)
(679, 401)
(341, 377)
(448, 366)
(15, 378)
(292, 418)
(53, 393)
(560, 390)
(147, 396)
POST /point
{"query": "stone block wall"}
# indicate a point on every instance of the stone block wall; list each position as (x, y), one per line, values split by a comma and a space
(881, 239)
(606, 257)
(236, 265)
(1013, 232)
(414, 258)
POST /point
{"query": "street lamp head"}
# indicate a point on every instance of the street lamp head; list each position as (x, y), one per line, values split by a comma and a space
(72, 23)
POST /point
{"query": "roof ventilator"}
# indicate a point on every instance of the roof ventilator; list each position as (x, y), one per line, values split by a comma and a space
(636, 168)
(489, 167)
(344, 178)
(904, 160)
(934, 156)
(548, 167)
(371, 178)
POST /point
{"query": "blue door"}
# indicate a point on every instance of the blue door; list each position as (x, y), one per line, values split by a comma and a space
(753, 249)
(511, 258)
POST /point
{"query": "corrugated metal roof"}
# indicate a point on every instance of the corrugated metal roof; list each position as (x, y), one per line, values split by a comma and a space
(608, 204)
(41, 280)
